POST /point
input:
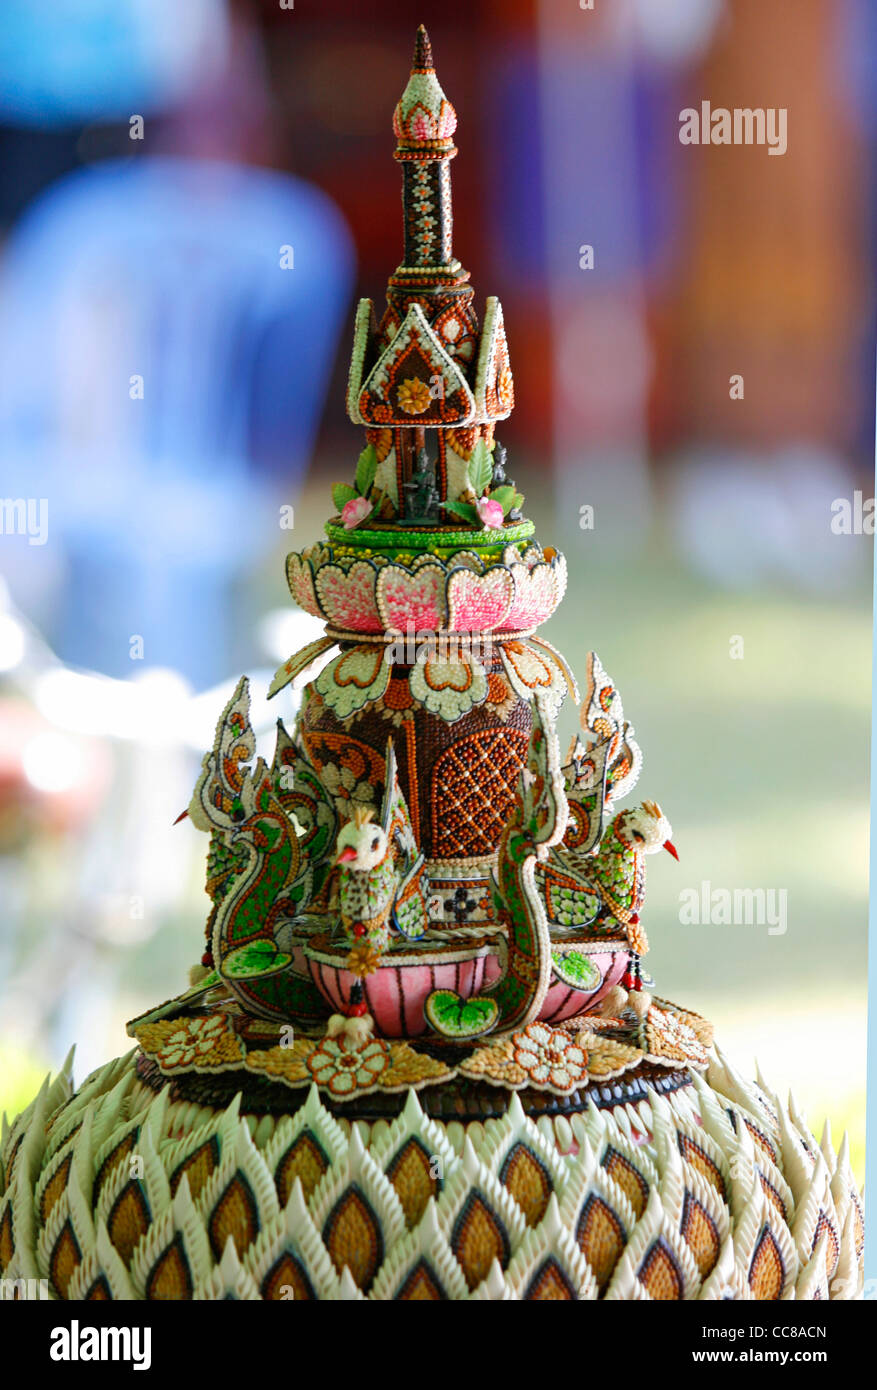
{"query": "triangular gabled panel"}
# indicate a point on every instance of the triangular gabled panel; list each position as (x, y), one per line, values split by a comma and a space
(494, 388)
(415, 382)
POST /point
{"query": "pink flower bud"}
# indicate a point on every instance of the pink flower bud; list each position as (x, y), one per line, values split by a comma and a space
(489, 512)
(355, 511)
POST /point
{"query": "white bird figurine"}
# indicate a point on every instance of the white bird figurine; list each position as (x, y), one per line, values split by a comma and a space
(381, 887)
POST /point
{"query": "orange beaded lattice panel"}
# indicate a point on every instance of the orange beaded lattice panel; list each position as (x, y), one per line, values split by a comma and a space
(474, 787)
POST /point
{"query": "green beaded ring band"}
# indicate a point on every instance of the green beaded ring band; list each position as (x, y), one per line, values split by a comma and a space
(439, 541)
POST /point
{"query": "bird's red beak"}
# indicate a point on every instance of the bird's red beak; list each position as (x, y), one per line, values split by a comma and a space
(346, 856)
(181, 816)
(671, 848)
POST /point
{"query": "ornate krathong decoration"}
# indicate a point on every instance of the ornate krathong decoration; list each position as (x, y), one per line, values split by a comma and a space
(418, 1058)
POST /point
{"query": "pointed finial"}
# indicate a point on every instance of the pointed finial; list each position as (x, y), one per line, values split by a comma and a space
(423, 114)
(422, 52)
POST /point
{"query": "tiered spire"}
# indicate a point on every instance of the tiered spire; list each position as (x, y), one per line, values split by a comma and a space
(428, 382)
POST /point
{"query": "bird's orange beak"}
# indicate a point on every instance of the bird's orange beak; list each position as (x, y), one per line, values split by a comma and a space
(346, 856)
(181, 816)
(671, 848)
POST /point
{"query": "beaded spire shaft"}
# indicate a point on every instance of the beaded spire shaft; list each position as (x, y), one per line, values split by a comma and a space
(424, 122)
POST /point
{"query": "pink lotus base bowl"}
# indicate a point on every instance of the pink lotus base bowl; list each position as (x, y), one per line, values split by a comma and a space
(395, 994)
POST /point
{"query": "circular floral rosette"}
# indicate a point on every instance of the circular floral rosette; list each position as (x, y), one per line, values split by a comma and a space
(205, 1043)
(395, 1066)
(550, 1057)
(342, 1071)
(413, 396)
(345, 787)
(670, 1037)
